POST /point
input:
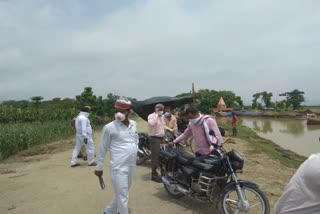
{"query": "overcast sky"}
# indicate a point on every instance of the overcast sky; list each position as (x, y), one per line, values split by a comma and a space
(55, 48)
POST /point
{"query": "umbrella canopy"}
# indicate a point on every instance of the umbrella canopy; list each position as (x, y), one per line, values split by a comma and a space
(145, 107)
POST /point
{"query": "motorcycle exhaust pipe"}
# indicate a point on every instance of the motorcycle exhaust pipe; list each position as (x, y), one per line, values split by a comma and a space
(177, 186)
(140, 151)
(165, 181)
(182, 190)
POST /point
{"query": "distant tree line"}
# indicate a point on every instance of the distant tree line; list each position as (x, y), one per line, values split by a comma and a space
(206, 99)
(36, 109)
(293, 100)
(57, 109)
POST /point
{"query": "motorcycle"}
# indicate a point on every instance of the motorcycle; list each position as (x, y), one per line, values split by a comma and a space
(144, 150)
(211, 178)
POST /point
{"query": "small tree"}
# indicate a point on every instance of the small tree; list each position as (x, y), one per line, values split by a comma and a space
(266, 98)
(237, 103)
(262, 98)
(86, 98)
(36, 100)
(56, 99)
(281, 105)
(294, 98)
(255, 103)
(99, 107)
(109, 104)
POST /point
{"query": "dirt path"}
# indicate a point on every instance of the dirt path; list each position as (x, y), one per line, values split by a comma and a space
(45, 183)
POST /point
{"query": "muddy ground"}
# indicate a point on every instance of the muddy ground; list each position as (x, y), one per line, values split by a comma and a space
(42, 182)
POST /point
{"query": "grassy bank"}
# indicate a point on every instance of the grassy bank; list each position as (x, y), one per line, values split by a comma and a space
(15, 137)
(286, 157)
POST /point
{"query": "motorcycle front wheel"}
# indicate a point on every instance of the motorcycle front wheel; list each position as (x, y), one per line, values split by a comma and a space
(258, 202)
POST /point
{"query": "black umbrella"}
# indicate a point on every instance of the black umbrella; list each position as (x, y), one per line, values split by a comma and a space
(146, 107)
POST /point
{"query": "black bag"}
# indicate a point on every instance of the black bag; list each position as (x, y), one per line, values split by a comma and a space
(222, 131)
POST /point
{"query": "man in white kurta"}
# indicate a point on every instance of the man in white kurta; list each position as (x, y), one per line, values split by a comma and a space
(302, 194)
(83, 137)
(120, 138)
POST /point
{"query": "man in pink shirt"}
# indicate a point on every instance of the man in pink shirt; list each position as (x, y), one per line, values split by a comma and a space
(156, 134)
(199, 127)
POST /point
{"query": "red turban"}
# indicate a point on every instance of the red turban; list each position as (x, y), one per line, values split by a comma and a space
(122, 103)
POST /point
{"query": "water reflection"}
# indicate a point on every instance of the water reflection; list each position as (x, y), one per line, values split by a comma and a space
(313, 127)
(262, 126)
(288, 133)
(295, 128)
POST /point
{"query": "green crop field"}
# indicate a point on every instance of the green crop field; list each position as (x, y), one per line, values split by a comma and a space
(15, 137)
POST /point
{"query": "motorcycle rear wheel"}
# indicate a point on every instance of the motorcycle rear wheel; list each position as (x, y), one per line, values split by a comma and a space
(140, 159)
(172, 192)
(230, 202)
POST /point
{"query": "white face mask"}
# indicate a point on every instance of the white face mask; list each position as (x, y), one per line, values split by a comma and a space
(160, 113)
(194, 121)
(119, 116)
(167, 114)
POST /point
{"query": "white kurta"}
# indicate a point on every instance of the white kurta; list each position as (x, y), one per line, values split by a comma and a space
(83, 130)
(122, 142)
(302, 194)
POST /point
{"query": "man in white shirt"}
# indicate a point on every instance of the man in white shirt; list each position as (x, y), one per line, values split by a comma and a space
(83, 137)
(120, 137)
(302, 194)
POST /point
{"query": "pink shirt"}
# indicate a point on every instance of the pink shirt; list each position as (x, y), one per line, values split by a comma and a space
(155, 125)
(199, 136)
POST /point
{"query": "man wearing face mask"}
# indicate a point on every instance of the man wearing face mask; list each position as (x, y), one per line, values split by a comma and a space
(199, 127)
(170, 120)
(156, 134)
(121, 139)
(83, 137)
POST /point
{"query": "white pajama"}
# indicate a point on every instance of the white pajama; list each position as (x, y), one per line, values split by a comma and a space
(122, 143)
(89, 146)
(83, 131)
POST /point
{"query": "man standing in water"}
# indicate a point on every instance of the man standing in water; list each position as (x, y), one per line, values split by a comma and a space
(121, 139)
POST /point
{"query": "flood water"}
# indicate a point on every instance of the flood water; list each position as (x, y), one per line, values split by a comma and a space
(290, 134)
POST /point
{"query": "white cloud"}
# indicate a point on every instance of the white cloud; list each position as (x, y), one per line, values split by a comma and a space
(153, 48)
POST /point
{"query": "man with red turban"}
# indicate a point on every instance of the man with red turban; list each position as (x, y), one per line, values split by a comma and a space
(120, 138)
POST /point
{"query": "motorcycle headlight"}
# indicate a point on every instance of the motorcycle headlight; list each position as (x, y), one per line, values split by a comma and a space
(237, 165)
(236, 160)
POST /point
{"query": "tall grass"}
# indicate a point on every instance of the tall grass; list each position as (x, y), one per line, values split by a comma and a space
(15, 137)
(19, 115)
